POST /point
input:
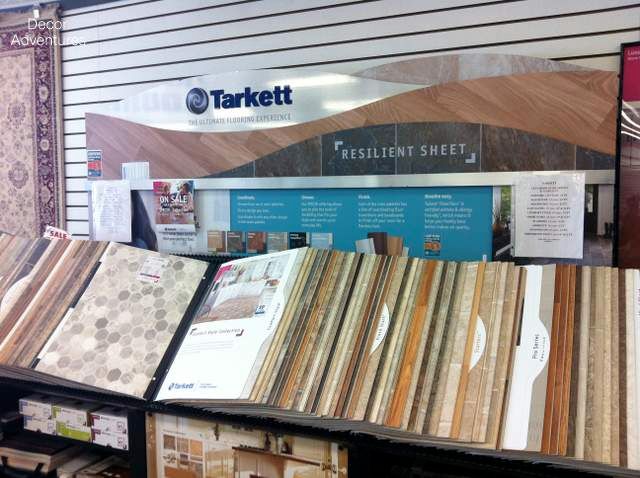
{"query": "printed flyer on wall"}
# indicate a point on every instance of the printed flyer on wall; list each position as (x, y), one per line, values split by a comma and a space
(234, 326)
(175, 211)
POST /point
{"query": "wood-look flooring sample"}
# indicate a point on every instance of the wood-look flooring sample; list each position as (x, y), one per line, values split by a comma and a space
(459, 347)
(433, 348)
(370, 374)
(478, 340)
(440, 384)
(48, 291)
(510, 326)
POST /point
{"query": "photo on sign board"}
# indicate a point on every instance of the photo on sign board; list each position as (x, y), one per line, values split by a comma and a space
(598, 228)
(191, 448)
(244, 291)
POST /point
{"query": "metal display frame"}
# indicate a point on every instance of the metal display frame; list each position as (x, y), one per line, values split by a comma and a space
(592, 176)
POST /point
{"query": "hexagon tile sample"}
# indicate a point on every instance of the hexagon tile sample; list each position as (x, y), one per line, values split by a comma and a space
(124, 321)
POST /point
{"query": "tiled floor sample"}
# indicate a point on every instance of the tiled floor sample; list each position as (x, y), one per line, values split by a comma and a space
(122, 325)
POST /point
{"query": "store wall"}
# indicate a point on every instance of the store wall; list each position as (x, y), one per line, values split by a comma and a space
(133, 45)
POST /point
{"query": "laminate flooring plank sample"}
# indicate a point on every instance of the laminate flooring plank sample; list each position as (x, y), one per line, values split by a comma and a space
(391, 338)
(433, 347)
(489, 361)
(437, 401)
(258, 393)
(409, 360)
(316, 335)
(507, 344)
(311, 332)
(615, 372)
(584, 361)
(262, 388)
(480, 342)
(122, 325)
(405, 324)
(340, 312)
(568, 362)
(606, 368)
(575, 367)
(377, 318)
(302, 332)
(367, 321)
(422, 355)
(553, 358)
(622, 358)
(385, 311)
(454, 372)
(47, 300)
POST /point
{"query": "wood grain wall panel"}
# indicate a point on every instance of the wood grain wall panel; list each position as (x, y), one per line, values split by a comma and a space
(577, 107)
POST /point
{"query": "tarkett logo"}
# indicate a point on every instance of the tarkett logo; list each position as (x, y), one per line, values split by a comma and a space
(181, 386)
(198, 100)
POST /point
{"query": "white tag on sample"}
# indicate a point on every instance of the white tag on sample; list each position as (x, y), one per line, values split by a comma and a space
(152, 269)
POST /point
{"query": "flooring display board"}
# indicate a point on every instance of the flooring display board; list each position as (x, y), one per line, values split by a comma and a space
(493, 355)
(476, 113)
(123, 322)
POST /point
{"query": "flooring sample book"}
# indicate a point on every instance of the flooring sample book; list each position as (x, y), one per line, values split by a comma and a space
(120, 328)
(234, 326)
(526, 400)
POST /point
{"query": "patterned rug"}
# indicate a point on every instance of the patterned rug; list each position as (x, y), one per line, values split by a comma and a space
(31, 165)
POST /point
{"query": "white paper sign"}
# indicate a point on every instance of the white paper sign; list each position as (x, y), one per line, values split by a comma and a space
(111, 211)
(549, 220)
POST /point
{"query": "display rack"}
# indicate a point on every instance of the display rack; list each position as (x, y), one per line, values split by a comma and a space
(383, 453)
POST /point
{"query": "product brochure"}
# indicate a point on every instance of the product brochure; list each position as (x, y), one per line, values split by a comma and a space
(234, 326)
(174, 206)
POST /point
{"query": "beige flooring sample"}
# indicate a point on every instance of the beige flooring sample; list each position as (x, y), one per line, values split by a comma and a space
(119, 330)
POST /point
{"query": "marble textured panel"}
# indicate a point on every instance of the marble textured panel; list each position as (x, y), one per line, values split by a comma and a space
(439, 148)
(591, 159)
(507, 149)
(359, 151)
(122, 325)
(301, 159)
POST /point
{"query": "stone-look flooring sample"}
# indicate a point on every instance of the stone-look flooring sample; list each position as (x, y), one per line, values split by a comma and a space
(119, 330)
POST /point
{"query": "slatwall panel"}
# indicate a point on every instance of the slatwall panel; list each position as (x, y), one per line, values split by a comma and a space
(133, 45)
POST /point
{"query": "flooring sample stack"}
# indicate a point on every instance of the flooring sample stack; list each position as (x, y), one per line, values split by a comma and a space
(119, 330)
(574, 383)
(536, 358)
(39, 280)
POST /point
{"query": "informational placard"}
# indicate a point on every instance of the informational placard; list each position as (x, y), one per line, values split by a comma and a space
(549, 220)
(111, 211)
(432, 222)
